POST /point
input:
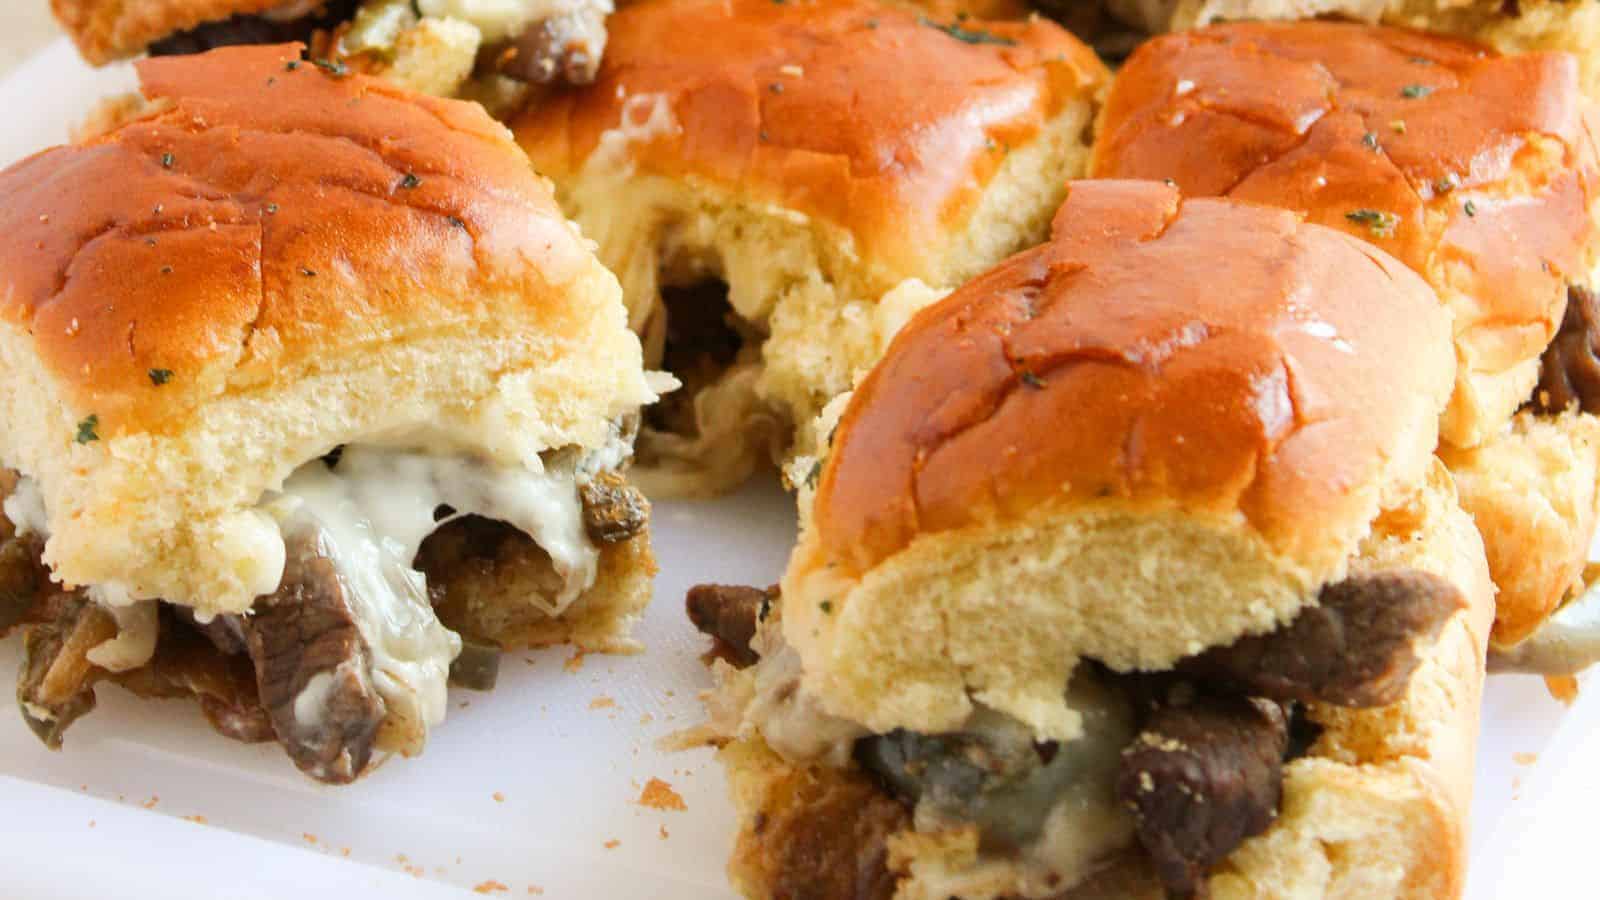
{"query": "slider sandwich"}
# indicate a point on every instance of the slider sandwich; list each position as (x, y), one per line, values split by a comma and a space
(1480, 172)
(1129, 570)
(312, 400)
(778, 185)
(489, 50)
(1516, 26)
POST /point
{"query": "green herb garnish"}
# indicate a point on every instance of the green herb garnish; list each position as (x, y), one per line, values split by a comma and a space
(1415, 91)
(814, 475)
(291, 65)
(167, 160)
(409, 182)
(1370, 140)
(333, 67)
(88, 429)
(1381, 224)
(1470, 208)
(1032, 380)
(159, 377)
(970, 35)
(272, 209)
(309, 273)
(826, 606)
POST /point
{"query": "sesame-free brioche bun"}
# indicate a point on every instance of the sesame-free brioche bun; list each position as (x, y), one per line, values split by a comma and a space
(1478, 171)
(274, 260)
(1165, 428)
(816, 156)
(1377, 807)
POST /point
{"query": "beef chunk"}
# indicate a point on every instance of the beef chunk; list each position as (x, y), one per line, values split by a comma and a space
(256, 29)
(306, 646)
(613, 510)
(1356, 647)
(1203, 776)
(1569, 371)
(565, 47)
(56, 684)
(729, 615)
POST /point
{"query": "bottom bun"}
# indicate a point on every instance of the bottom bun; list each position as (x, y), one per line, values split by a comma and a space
(1377, 807)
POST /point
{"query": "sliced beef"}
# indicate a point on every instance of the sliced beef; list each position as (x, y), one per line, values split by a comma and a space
(187, 664)
(254, 29)
(56, 684)
(729, 615)
(613, 510)
(1569, 370)
(24, 581)
(1355, 647)
(1205, 774)
(565, 47)
(313, 667)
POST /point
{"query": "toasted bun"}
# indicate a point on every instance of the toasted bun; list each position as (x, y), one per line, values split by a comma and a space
(1163, 429)
(819, 157)
(1378, 808)
(1532, 492)
(1476, 170)
(292, 259)
(106, 30)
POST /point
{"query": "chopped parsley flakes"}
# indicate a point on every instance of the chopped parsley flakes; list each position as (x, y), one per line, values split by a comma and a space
(1379, 223)
(88, 430)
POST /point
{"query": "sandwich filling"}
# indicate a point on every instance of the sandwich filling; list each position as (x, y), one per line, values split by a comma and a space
(529, 41)
(1179, 766)
(347, 651)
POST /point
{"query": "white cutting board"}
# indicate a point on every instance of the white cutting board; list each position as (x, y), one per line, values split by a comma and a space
(534, 787)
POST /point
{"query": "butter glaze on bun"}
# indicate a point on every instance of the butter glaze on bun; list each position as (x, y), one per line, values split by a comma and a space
(1164, 428)
(1476, 170)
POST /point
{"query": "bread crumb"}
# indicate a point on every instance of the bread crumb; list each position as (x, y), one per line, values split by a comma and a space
(535, 890)
(499, 797)
(401, 858)
(658, 794)
(575, 663)
(198, 820)
(613, 844)
(1562, 687)
(415, 871)
(646, 719)
(1524, 759)
(91, 823)
(345, 852)
(664, 834)
(602, 702)
(151, 803)
(308, 837)
(490, 887)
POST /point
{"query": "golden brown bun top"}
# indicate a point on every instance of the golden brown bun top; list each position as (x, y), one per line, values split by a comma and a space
(865, 115)
(1486, 160)
(1224, 358)
(266, 216)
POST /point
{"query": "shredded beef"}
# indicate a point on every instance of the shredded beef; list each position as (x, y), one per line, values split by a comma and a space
(1569, 370)
(565, 47)
(613, 510)
(254, 29)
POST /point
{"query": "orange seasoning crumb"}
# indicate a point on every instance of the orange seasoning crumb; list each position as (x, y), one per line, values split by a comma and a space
(602, 702)
(1524, 759)
(490, 887)
(613, 844)
(151, 803)
(664, 834)
(535, 890)
(308, 837)
(198, 820)
(575, 663)
(499, 797)
(659, 794)
(1562, 687)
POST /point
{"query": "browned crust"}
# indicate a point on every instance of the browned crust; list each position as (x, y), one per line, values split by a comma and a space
(1486, 160)
(268, 215)
(773, 102)
(106, 30)
(1220, 357)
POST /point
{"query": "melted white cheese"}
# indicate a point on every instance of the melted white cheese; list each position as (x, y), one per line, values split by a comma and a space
(25, 508)
(373, 511)
(138, 627)
(501, 19)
